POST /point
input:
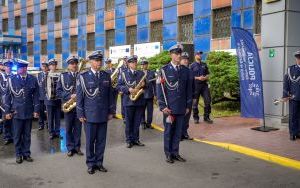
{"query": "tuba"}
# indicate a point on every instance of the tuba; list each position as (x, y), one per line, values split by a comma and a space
(139, 86)
(71, 103)
(114, 75)
(51, 82)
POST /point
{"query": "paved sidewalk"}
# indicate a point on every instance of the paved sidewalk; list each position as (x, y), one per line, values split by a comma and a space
(207, 166)
(237, 130)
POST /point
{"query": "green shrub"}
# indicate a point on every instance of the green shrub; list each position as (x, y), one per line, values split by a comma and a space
(159, 60)
(224, 78)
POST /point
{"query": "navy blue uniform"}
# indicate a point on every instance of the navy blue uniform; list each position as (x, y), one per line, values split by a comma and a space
(2, 92)
(95, 103)
(177, 86)
(149, 93)
(7, 124)
(22, 99)
(115, 91)
(53, 107)
(188, 115)
(66, 86)
(42, 96)
(121, 70)
(133, 109)
(291, 88)
(201, 89)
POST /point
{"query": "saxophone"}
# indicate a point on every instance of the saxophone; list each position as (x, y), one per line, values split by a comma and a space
(139, 86)
(114, 75)
(71, 103)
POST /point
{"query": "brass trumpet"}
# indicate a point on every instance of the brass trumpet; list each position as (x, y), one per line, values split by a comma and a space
(71, 103)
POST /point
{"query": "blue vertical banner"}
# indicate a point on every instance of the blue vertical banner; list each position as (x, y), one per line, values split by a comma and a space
(251, 87)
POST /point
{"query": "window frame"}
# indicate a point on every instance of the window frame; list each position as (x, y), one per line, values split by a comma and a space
(223, 33)
(73, 14)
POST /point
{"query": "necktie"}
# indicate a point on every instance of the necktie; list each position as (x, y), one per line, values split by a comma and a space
(97, 74)
(177, 68)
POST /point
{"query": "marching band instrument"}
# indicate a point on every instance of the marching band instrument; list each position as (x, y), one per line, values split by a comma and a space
(139, 87)
(71, 103)
(114, 75)
(51, 82)
(282, 100)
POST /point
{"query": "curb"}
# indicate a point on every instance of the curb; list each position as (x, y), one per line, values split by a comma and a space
(283, 161)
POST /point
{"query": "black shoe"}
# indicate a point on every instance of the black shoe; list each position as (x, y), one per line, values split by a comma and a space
(196, 121)
(91, 170)
(208, 120)
(79, 152)
(298, 136)
(169, 159)
(129, 145)
(292, 138)
(51, 137)
(41, 128)
(179, 158)
(138, 143)
(19, 160)
(101, 168)
(186, 137)
(28, 159)
(7, 142)
(144, 125)
(70, 153)
(149, 126)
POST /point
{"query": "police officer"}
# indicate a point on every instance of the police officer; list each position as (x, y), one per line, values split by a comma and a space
(2, 90)
(66, 89)
(185, 62)
(201, 76)
(94, 109)
(174, 94)
(291, 92)
(42, 95)
(133, 109)
(53, 106)
(149, 94)
(7, 124)
(110, 70)
(123, 68)
(22, 105)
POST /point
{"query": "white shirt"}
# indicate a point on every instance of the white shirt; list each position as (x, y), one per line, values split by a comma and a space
(94, 71)
(73, 73)
(132, 71)
(174, 65)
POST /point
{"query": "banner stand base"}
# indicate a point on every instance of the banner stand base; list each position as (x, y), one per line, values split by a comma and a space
(265, 129)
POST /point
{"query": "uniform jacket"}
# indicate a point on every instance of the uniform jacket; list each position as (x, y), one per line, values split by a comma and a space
(66, 86)
(127, 80)
(150, 88)
(178, 89)
(94, 96)
(41, 81)
(22, 96)
(291, 83)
